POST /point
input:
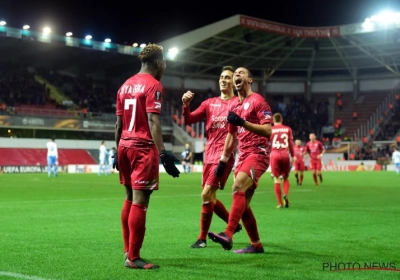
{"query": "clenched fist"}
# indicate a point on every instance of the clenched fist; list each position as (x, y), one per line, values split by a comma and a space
(187, 97)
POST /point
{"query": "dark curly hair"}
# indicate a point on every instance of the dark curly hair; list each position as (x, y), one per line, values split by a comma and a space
(151, 53)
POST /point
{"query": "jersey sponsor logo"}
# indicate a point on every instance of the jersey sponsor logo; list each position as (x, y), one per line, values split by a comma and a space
(218, 118)
(215, 105)
(158, 95)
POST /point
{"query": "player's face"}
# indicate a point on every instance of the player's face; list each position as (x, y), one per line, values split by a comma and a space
(241, 78)
(226, 82)
(312, 137)
(298, 142)
(162, 66)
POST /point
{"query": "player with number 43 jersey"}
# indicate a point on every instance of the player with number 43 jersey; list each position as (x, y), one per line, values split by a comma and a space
(282, 156)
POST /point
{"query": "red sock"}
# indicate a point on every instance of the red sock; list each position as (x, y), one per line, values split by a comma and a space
(315, 178)
(237, 209)
(137, 228)
(301, 178)
(220, 210)
(205, 219)
(126, 208)
(286, 186)
(278, 192)
(250, 224)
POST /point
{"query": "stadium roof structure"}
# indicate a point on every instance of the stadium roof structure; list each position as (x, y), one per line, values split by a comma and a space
(272, 51)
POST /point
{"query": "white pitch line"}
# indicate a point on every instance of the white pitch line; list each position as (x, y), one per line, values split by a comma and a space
(21, 276)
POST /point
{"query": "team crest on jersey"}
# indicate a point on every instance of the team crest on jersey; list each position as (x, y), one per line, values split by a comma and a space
(158, 95)
(267, 115)
(246, 105)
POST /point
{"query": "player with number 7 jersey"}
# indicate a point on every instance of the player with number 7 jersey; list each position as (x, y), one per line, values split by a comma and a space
(140, 146)
(282, 155)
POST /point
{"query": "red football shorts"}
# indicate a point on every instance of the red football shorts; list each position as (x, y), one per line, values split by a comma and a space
(299, 166)
(280, 165)
(254, 165)
(139, 167)
(209, 177)
(315, 164)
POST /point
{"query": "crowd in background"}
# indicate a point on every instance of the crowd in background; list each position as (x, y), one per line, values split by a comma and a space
(20, 86)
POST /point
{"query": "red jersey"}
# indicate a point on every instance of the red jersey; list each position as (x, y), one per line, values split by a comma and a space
(282, 140)
(298, 153)
(314, 149)
(139, 95)
(256, 110)
(214, 111)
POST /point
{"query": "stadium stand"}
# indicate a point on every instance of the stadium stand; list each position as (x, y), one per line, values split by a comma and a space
(77, 83)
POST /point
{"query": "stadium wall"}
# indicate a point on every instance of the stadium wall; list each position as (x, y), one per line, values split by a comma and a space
(61, 143)
(331, 161)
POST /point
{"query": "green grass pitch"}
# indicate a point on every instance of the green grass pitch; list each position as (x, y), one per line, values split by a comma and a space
(69, 228)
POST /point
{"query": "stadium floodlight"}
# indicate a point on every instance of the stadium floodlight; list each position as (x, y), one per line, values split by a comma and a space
(3, 22)
(135, 45)
(386, 18)
(69, 34)
(26, 26)
(88, 37)
(46, 30)
(172, 52)
(142, 45)
(368, 25)
(107, 40)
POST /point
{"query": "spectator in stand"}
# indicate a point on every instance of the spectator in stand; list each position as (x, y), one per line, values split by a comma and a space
(339, 123)
(339, 102)
(84, 112)
(355, 115)
(371, 132)
(3, 108)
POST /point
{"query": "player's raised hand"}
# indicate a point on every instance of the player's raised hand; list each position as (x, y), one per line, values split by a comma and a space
(187, 97)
